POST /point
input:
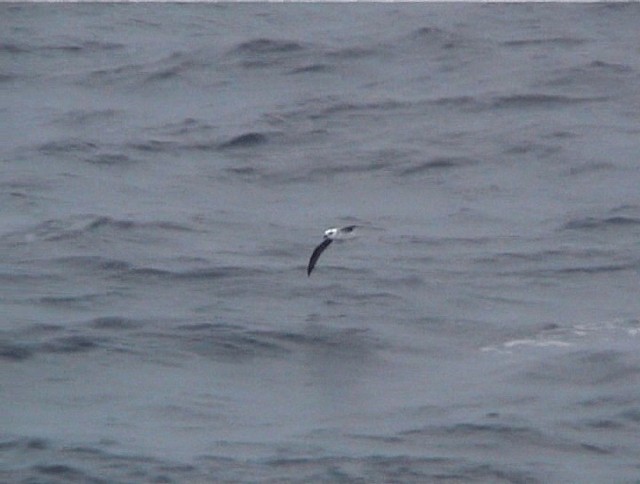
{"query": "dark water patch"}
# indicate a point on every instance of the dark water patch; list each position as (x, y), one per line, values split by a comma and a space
(504, 258)
(156, 146)
(16, 278)
(586, 368)
(246, 171)
(77, 227)
(373, 297)
(246, 140)
(339, 108)
(51, 230)
(7, 77)
(590, 168)
(14, 351)
(83, 117)
(525, 101)
(610, 67)
(95, 46)
(312, 69)
(264, 52)
(266, 46)
(438, 163)
(390, 469)
(92, 264)
(68, 146)
(43, 329)
(603, 424)
(333, 168)
(545, 42)
(62, 471)
(599, 269)
(36, 444)
(93, 464)
(561, 134)
(597, 76)
(596, 449)
(166, 73)
(129, 74)
(13, 48)
(541, 150)
(465, 242)
(83, 47)
(109, 222)
(608, 401)
(24, 444)
(113, 323)
(501, 431)
(631, 415)
(467, 103)
(85, 151)
(437, 38)
(349, 343)
(209, 327)
(409, 280)
(496, 473)
(333, 109)
(177, 66)
(552, 263)
(203, 274)
(596, 223)
(71, 344)
(497, 431)
(71, 302)
(231, 343)
(186, 126)
(110, 159)
(351, 53)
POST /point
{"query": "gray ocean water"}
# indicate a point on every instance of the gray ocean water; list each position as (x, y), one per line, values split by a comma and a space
(167, 170)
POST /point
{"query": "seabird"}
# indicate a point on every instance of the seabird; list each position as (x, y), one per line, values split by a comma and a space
(329, 236)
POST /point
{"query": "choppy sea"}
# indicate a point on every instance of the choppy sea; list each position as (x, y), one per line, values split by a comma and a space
(166, 171)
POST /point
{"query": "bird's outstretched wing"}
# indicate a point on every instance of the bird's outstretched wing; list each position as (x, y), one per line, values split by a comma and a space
(316, 254)
(348, 229)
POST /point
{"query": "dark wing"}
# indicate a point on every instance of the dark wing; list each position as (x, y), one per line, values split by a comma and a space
(348, 229)
(316, 254)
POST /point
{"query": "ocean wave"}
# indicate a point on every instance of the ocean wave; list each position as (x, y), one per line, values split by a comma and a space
(15, 351)
(29, 343)
(562, 338)
(585, 367)
(442, 41)
(266, 52)
(438, 163)
(541, 100)
(113, 323)
(229, 342)
(246, 140)
(595, 76)
(266, 46)
(597, 223)
(86, 151)
(211, 273)
(232, 342)
(83, 117)
(545, 42)
(78, 226)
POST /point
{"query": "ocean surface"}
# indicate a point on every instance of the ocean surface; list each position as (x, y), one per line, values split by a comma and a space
(167, 170)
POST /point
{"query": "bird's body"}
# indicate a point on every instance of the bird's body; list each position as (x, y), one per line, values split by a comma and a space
(330, 235)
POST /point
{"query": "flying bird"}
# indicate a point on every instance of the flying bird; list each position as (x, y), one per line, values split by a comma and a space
(329, 236)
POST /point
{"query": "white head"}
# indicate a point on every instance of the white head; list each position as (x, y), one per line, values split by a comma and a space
(330, 233)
